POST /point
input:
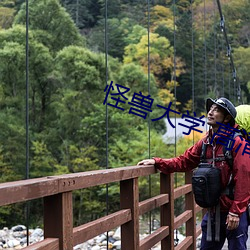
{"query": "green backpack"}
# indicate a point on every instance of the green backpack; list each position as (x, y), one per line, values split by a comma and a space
(243, 117)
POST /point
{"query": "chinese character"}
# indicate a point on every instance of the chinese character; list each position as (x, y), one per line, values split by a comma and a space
(142, 102)
(246, 149)
(118, 100)
(194, 121)
(167, 113)
(225, 134)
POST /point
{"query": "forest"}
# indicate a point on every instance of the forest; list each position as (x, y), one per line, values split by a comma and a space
(168, 51)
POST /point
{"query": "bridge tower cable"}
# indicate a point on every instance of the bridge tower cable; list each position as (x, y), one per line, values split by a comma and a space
(215, 51)
(236, 82)
(175, 95)
(222, 66)
(149, 122)
(205, 49)
(192, 74)
(107, 121)
(27, 204)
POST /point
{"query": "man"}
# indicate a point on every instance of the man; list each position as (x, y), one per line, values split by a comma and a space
(233, 212)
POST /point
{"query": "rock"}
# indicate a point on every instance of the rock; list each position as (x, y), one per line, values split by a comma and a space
(3, 233)
(103, 243)
(13, 243)
(12, 240)
(117, 234)
(38, 232)
(91, 242)
(18, 247)
(80, 246)
(95, 248)
(117, 244)
(23, 240)
(18, 234)
(100, 238)
(111, 233)
(111, 239)
(18, 228)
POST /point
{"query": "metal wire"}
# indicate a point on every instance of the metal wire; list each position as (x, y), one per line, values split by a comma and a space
(215, 53)
(205, 51)
(229, 54)
(174, 74)
(106, 81)
(192, 19)
(27, 207)
(175, 94)
(149, 124)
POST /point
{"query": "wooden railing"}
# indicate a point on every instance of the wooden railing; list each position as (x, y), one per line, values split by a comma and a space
(56, 192)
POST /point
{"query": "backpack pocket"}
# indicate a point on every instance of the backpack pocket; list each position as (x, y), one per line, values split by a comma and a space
(206, 183)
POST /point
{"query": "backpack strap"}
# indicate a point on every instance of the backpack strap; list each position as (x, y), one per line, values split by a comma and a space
(203, 152)
(227, 151)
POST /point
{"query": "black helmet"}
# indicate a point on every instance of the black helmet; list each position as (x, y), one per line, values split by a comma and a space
(223, 103)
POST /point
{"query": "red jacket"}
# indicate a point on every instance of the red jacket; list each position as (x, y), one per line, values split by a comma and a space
(241, 169)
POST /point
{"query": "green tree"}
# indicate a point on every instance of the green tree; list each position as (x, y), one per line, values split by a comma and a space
(161, 56)
(6, 17)
(53, 25)
(117, 32)
(42, 163)
(13, 60)
(241, 56)
(84, 13)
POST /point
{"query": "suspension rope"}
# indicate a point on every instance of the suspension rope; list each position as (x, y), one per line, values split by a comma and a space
(221, 47)
(215, 52)
(27, 207)
(175, 94)
(229, 83)
(149, 124)
(205, 51)
(192, 19)
(106, 81)
(174, 74)
(229, 54)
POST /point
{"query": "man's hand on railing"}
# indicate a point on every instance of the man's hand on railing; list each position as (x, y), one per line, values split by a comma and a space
(146, 162)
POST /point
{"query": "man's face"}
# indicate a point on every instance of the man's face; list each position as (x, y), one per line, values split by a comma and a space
(214, 115)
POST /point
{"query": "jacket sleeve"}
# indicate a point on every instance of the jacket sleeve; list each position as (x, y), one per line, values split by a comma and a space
(241, 174)
(185, 162)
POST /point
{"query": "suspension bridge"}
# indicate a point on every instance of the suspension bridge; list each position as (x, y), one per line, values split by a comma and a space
(56, 192)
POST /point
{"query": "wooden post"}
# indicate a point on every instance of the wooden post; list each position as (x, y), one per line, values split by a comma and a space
(129, 197)
(58, 219)
(190, 205)
(167, 210)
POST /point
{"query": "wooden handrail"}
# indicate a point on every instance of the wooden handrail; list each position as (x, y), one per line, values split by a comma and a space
(58, 208)
(24, 190)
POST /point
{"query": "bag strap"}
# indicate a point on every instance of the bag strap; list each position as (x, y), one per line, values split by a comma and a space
(227, 151)
(203, 152)
(217, 223)
(209, 225)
